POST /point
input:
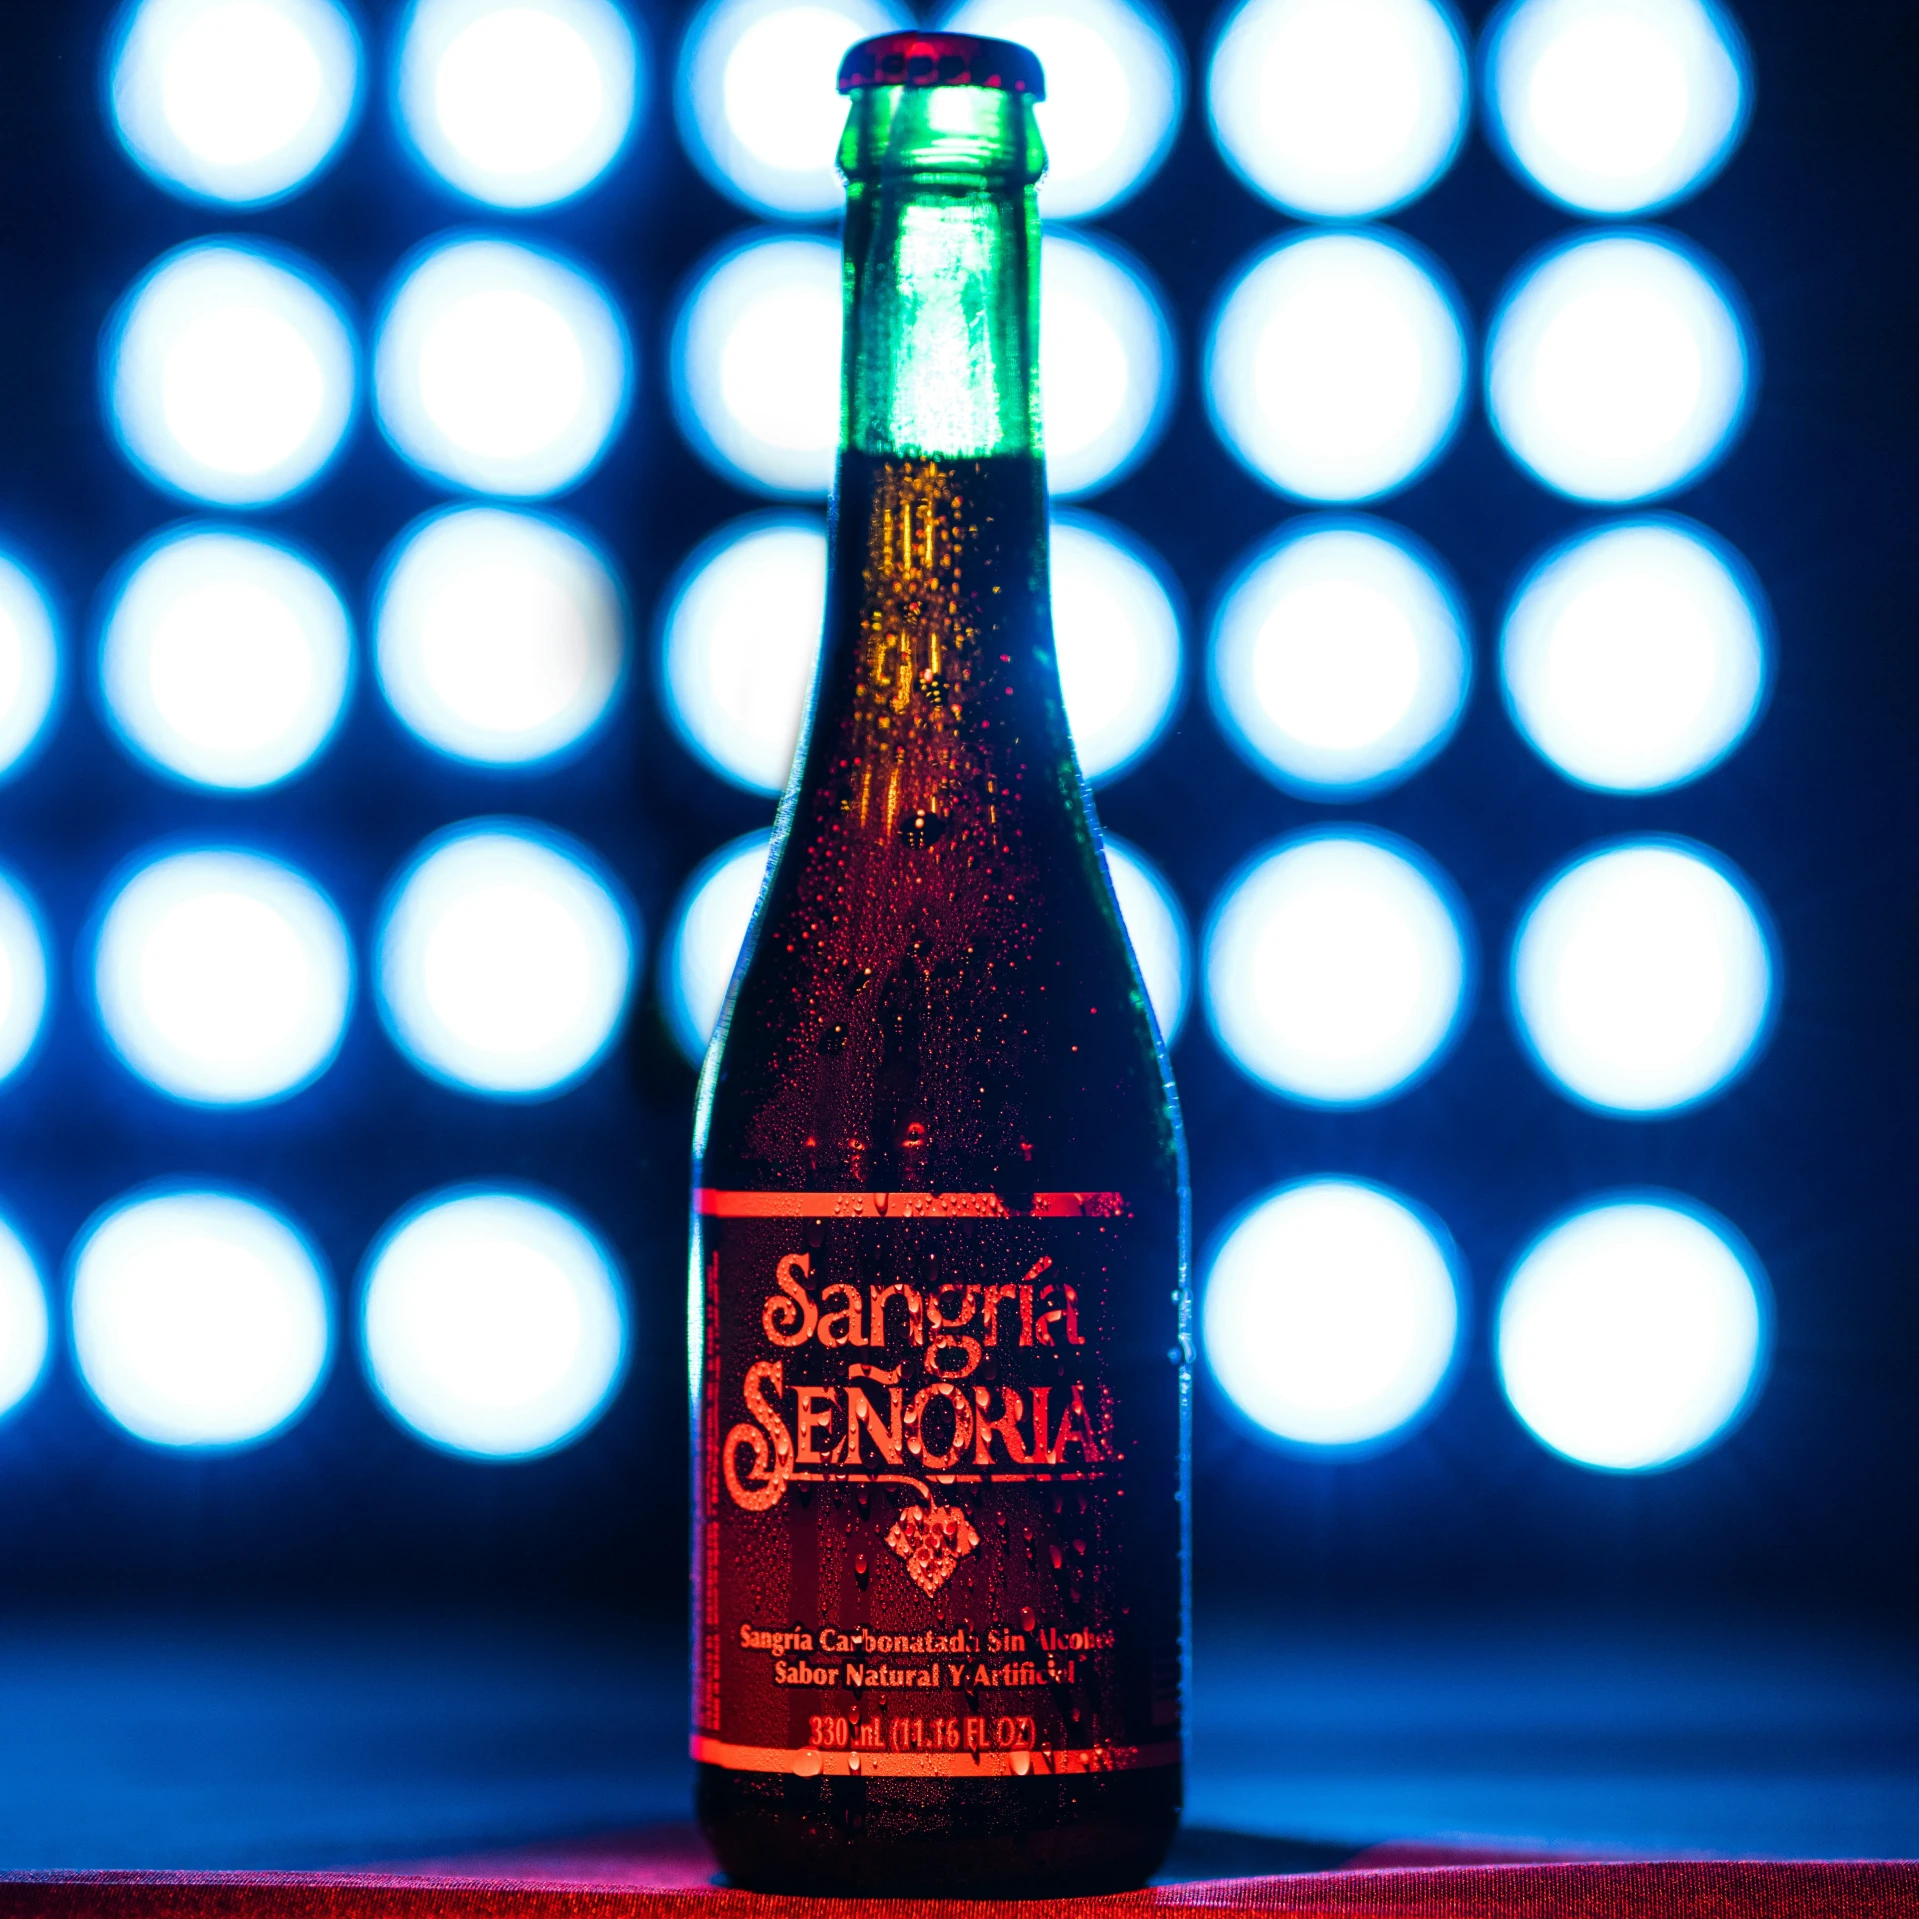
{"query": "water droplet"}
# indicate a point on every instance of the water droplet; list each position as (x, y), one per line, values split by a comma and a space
(1021, 1763)
(1079, 1546)
(1059, 1558)
(859, 1564)
(852, 1762)
(807, 1764)
(1028, 1618)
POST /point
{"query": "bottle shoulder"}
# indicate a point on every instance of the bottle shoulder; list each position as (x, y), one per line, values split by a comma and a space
(978, 1037)
(939, 993)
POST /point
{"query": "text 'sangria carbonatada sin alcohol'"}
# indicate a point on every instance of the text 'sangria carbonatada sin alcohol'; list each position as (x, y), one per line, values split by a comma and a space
(939, 1303)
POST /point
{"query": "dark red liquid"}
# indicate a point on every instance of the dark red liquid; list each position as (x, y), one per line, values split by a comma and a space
(940, 999)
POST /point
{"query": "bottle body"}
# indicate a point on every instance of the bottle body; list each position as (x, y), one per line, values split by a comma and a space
(938, 1278)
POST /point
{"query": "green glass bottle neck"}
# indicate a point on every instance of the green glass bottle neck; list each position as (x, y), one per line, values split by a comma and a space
(941, 353)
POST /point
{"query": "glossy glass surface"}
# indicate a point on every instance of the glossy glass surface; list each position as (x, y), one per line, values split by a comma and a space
(937, 994)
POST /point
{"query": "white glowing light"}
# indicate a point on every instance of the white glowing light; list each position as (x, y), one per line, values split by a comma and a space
(1115, 86)
(1617, 368)
(1339, 660)
(501, 368)
(1335, 969)
(1642, 978)
(499, 637)
(1616, 106)
(1331, 1314)
(24, 976)
(229, 374)
(1633, 1335)
(710, 921)
(1635, 657)
(225, 660)
(494, 1324)
(1106, 363)
(1338, 109)
(757, 99)
(505, 960)
(25, 1328)
(239, 101)
(223, 978)
(29, 665)
(739, 646)
(199, 1319)
(1156, 925)
(741, 642)
(1336, 369)
(518, 102)
(716, 907)
(1116, 636)
(756, 363)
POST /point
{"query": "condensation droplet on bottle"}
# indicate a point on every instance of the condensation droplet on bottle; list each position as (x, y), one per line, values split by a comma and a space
(807, 1764)
(1028, 1619)
(1020, 1762)
(852, 1762)
(1059, 1558)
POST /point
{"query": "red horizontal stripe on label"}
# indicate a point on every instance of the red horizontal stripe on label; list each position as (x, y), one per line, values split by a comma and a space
(714, 1204)
(805, 1763)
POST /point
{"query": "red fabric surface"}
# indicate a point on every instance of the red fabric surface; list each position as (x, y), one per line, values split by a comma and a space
(1708, 1889)
(664, 1873)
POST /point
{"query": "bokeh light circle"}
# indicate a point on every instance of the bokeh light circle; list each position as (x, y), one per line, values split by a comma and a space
(1107, 364)
(1336, 366)
(1616, 106)
(229, 373)
(505, 958)
(500, 638)
(30, 666)
(1339, 661)
(1338, 109)
(1155, 922)
(1336, 967)
(1634, 1333)
(501, 368)
(222, 977)
(1643, 976)
(757, 97)
(1330, 1314)
(1116, 634)
(236, 101)
(1635, 657)
(740, 640)
(26, 1328)
(493, 1323)
(702, 947)
(199, 1318)
(26, 981)
(1618, 367)
(715, 909)
(519, 103)
(756, 363)
(739, 644)
(225, 659)
(1115, 87)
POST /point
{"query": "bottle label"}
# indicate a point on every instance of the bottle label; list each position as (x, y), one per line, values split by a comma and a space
(937, 1486)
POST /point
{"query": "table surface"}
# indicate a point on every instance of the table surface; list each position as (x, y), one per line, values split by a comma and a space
(304, 1742)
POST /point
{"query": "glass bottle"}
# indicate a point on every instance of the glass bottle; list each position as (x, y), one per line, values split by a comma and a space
(939, 1311)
